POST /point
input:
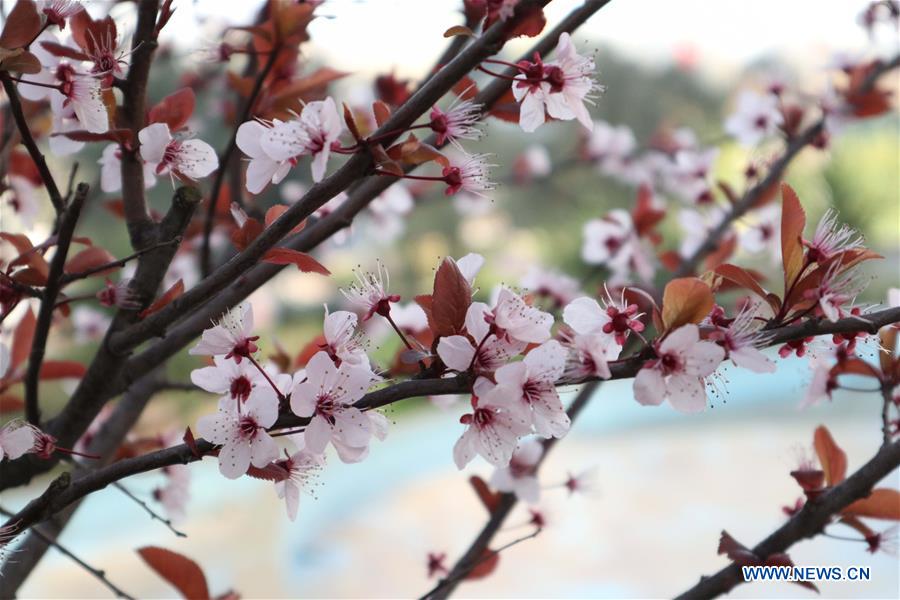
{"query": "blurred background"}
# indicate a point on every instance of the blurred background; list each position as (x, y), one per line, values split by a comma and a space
(663, 485)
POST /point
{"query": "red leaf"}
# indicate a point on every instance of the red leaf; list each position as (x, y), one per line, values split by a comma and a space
(175, 109)
(10, 404)
(63, 51)
(685, 300)
(21, 342)
(185, 575)
(745, 279)
(276, 211)
(90, 258)
(22, 62)
(170, 294)
(645, 216)
(19, 241)
(793, 220)
(303, 261)
(249, 231)
(488, 497)
(531, 22)
(381, 111)
(62, 369)
(120, 136)
(831, 457)
(450, 300)
(465, 88)
(882, 503)
(736, 551)
(485, 565)
(22, 25)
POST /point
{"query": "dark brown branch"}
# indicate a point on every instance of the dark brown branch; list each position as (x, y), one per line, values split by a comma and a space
(357, 166)
(225, 162)
(15, 105)
(412, 388)
(132, 114)
(67, 223)
(807, 523)
(100, 575)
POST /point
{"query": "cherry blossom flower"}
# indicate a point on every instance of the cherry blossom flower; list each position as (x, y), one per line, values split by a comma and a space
(16, 438)
(189, 158)
(297, 473)
(486, 354)
(687, 176)
(457, 123)
(57, 11)
(616, 319)
(560, 87)
(72, 93)
(582, 482)
(533, 163)
(520, 477)
(608, 238)
(230, 336)
(234, 382)
(312, 133)
(697, 226)
(369, 291)
(470, 265)
(678, 374)
(262, 168)
(756, 117)
(327, 396)
(557, 286)
(242, 434)
(493, 428)
(610, 147)
(118, 294)
(513, 319)
(764, 233)
(529, 384)
(469, 173)
(831, 239)
(589, 355)
(835, 290)
(740, 340)
(175, 494)
(822, 385)
(111, 170)
(342, 340)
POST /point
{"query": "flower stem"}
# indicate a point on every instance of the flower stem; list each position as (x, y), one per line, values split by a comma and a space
(281, 397)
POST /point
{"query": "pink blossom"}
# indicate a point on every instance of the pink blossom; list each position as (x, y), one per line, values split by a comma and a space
(175, 494)
(557, 286)
(16, 437)
(242, 433)
(610, 147)
(262, 168)
(560, 87)
(297, 473)
(513, 319)
(529, 385)
(493, 428)
(57, 11)
(342, 340)
(764, 233)
(311, 134)
(615, 319)
(678, 374)
(230, 336)
(697, 227)
(458, 122)
(469, 173)
(608, 238)
(488, 351)
(234, 382)
(533, 163)
(822, 385)
(740, 341)
(192, 159)
(831, 238)
(118, 294)
(835, 291)
(755, 118)
(589, 355)
(21, 196)
(369, 291)
(327, 396)
(520, 477)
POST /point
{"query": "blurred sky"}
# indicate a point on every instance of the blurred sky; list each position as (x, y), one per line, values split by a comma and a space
(364, 35)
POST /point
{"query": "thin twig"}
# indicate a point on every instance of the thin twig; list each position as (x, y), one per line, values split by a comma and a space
(153, 514)
(67, 223)
(119, 262)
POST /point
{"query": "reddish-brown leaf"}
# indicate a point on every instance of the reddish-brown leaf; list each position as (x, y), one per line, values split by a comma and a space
(90, 258)
(61, 369)
(190, 442)
(793, 220)
(530, 23)
(459, 30)
(184, 574)
(855, 366)
(175, 109)
(465, 88)
(21, 61)
(303, 261)
(489, 498)
(746, 280)
(831, 457)
(21, 342)
(276, 211)
(882, 503)
(19, 241)
(31, 276)
(485, 565)
(64, 51)
(381, 111)
(249, 231)
(170, 294)
(450, 300)
(685, 300)
(736, 551)
(22, 25)
(10, 404)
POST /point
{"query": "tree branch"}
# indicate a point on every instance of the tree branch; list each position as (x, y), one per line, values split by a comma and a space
(15, 106)
(68, 221)
(807, 523)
